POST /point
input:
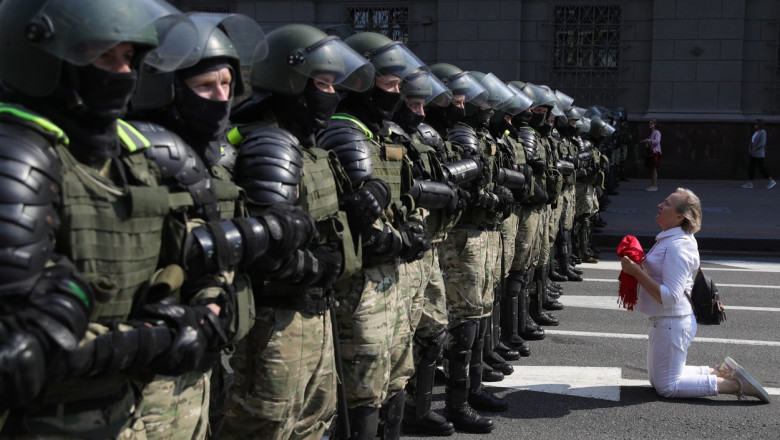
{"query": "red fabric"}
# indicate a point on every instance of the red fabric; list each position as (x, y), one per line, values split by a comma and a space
(629, 247)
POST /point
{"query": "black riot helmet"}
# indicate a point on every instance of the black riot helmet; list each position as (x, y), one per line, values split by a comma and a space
(39, 37)
(461, 83)
(387, 56)
(299, 52)
(232, 40)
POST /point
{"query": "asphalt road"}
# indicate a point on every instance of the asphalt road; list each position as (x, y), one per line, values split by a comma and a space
(588, 378)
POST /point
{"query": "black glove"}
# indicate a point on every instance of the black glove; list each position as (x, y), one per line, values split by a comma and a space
(539, 196)
(330, 259)
(306, 267)
(506, 201)
(22, 368)
(366, 204)
(289, 226)
(459, 200)
(537, 164)
(484, 199)
(188, 348)
(416, 239)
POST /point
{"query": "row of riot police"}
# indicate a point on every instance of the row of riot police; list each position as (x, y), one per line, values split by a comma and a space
(179, 266)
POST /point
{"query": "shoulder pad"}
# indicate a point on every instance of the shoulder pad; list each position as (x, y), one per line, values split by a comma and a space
(351, 145)
(528, 137)
(180, 165)
(430, 137)
(228, 156)
(465, 137)
(269, 166)
(30, 191)
(395, 129)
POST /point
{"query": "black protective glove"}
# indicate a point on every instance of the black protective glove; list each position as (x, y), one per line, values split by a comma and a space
(539, 196)
(290, 227)
(366, 204)
(506, 201)
(537, 164)
(306, 267)
(190, 343)
(416, 239)
(484, 199)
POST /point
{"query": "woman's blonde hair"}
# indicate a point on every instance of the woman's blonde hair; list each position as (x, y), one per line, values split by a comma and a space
(690, 208)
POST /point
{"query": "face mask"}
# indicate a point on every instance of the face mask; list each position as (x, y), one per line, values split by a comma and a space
(386, 102)
(105, 94)
(454, 115)
(537, 119)
(485, 115)
(408, 120)
(202, 116)
(545, 129)
(321, 105)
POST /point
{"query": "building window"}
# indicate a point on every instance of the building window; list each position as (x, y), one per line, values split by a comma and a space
(392, 22)
(586, 49)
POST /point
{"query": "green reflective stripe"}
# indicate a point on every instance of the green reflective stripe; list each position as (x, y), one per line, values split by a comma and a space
(346, 117)
(37, 120)
(79, 293)
(130, 137)
(234, 136)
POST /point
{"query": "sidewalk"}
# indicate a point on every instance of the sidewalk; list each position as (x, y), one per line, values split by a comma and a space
(734, 219)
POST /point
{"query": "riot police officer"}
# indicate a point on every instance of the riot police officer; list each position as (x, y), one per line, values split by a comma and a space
(285, 368)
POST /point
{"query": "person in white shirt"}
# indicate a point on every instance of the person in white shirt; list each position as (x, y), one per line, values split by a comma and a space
(665, 277)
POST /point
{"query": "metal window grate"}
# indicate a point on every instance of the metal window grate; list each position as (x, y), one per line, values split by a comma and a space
(586, 49)
(392, 21)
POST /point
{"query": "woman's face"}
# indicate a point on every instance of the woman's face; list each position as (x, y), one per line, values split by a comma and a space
(652, 125)
(667, 216)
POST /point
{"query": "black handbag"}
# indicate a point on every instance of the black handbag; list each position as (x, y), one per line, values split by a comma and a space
(707, 306)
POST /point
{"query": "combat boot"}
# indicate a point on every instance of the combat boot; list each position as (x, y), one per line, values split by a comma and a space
(493, 360)
(554, 273)
(363, 422)
(478, 397)
(563, 258)
(509, 314)
(390, 415)
(418, 416)
(537, 300)
(456, 408)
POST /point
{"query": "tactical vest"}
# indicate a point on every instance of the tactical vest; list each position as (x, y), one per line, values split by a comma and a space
(322, 184)
(438, 221)
(474, 215)
(554, 178)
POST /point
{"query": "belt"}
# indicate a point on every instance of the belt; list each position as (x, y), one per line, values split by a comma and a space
(307, 303)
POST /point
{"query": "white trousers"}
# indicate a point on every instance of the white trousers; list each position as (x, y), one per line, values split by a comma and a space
(667, 351)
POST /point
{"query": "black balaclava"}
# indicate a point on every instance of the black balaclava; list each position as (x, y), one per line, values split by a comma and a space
(545, 130)
(86, 106)
(386, 102)
(522, 119)
(537, 120)
(407, 119)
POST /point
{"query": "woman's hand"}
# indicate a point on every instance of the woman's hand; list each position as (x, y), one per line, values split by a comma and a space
(630, 267)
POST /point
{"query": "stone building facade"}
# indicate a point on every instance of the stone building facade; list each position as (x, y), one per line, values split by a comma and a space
(704, 68)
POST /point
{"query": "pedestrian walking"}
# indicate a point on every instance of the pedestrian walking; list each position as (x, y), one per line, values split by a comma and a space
(756, 154)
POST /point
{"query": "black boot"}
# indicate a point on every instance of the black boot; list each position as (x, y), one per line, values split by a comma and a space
(549, 303)
(563, 258)
(390, 416)
(529, 329)
(555, 274)
(509, 314)
(457, 409)
(479, 398)
(489, 355)
(491, 375)
(585, 254)
(418, 416)
(363, 421)
(537, 300)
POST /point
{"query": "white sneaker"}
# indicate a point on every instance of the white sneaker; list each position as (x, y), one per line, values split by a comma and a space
(651, 188)
(747, 385)
(771, 184)
(748, 186)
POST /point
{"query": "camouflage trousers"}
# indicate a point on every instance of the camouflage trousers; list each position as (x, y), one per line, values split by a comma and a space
(544, 236)
(464, 259)
(569, 208)
(508, 235)
(586, 200)
(406, 317)
(57, 422)
(493, 266)
(175, 407)
(432, 319)
(367, 314)
(526, 238)
(285, 378)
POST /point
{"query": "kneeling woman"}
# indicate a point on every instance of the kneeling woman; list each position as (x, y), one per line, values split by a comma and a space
(665, 276)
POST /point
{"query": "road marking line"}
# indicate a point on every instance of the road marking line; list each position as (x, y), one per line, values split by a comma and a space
(747, 286)
(610, 303)
(593, 382)
(639, 336)
(744, 266)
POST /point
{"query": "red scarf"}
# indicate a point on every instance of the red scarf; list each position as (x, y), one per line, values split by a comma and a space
(631, 248)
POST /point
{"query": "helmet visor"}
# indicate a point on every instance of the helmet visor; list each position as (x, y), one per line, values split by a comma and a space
(564, 101)
(396, 59)
(519, 103)
(244, 33)
(422, 84)
(80, 31)
(464, 84)
(332, 61)
(499, 93)
(583, 125)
